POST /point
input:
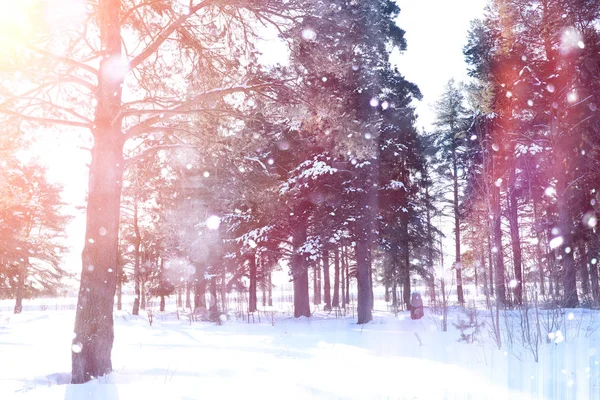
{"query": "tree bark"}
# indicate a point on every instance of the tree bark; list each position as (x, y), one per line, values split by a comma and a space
(200, 293)
(594, 277)
(430, 245)
(347, 277)
(326, 281)
(457, 264)
(515, 238)
(270, 289)
(94, 332)
(363, 282)
(336, 278)
(20, 286)
(497, 241)
(136, 263)
(406, 276)
(213, 308)
(252, 301)
(299, 268)
(343, 277)
(143, 290)
(490, 263)
(188, 289)
(317, 284)
(583, 268)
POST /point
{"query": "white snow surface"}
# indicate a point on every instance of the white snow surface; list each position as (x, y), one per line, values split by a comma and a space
(321, 357)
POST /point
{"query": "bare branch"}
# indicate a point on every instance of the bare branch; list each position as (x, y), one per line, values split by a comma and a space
(65, 60)
(164, 35)
(47, 120)
(142, 126)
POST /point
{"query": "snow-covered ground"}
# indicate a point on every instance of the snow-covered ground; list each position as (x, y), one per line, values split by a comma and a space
(281, 357)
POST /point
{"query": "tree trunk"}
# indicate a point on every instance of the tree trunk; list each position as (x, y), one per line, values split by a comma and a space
(20, 287)
(515, 238)
(583, 268)
(93, 330)
(497, 244)
(455, 203)
(484, 269)
(162, 302)
(347, 278)
(252, 301)
(188, 289)
(336, 278)
(394, 282)
(317, 284)
(490, 263)
(430, 244)
(299, 267)
(569, 276)
(270, 289)
(119, 290)
(343, 277)
(326, 281)
(213, 308)
(179, 298)
(200, 293)
(143, 290)
(406, 275)
(594, 277)
(363, 282)
(136, 263)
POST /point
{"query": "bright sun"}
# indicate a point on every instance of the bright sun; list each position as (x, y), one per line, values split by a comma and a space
(16, 21)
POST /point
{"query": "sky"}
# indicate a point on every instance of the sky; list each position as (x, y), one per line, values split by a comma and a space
(436, 31)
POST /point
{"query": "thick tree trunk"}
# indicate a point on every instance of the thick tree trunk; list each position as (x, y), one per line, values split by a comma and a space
(326, 281)
(94, 332)
(569, 276)
(515, 237)
(252, 306)
(594, 278)
(536, 228)
(336, 278)
(179, 298)
(299, 267)
(363, 282)
(162, 303)
(20, 286)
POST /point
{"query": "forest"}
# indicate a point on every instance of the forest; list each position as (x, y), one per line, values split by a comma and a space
(219, 156)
